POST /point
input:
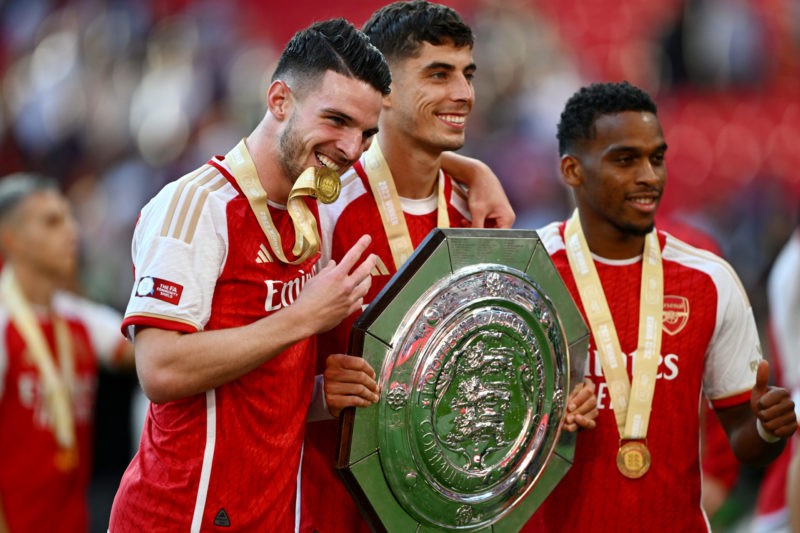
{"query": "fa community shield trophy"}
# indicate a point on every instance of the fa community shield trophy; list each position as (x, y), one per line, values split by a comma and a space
(476, 343)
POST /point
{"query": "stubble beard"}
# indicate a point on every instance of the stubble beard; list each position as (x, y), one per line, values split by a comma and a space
(290, 149)
(636, 231)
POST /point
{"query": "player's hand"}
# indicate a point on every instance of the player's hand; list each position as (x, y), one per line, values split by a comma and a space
(581, 407)
(487, 201)
(349, 382)
(772, 405)
(338, 289)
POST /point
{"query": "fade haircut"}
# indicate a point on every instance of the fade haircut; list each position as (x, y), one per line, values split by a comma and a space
(589, 103)
(15, 188)
(334, 45)
(399, 29)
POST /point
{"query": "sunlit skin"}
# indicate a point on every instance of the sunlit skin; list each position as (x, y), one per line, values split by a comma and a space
(618, 177)
(330, 125)
(41, 241)
(426, 114)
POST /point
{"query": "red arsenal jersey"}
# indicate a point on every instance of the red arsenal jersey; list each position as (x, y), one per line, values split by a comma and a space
(228, 457)
(710, 349)
(40, 489)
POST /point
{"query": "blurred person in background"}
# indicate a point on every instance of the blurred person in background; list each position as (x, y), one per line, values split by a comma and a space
(50, 344)
(779, 495)
(688, 326)
(429, 50)
(228, 296)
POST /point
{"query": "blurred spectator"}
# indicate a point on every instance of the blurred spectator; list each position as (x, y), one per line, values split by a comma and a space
(783, 292)
(51, 343)
(716, 43)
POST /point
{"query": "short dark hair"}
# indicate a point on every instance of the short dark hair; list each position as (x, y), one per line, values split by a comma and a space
(400, 28)
(589, 103)
(15, 188)
(334, 45)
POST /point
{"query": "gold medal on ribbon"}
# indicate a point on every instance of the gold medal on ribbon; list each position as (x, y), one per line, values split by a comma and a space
(327, 183)
(306, 241)
(632, 399)
(57, 380)
(633, 459)
(384, 191)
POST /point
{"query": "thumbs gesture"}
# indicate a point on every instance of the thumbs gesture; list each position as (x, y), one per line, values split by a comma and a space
(773, 406)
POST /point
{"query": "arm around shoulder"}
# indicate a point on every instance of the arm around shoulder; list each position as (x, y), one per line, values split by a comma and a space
(487, 201)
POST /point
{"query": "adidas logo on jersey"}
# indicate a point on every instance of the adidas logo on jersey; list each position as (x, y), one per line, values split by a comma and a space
(263, 255)
(222, 519)
(380, 268)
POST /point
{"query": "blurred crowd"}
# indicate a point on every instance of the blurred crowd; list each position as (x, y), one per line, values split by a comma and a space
(115, 98)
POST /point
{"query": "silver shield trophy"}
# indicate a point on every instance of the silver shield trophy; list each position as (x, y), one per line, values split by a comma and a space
(476, 342)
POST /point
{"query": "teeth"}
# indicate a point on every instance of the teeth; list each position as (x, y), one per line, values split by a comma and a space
(646, 201)
(456, 119)
(328, 162)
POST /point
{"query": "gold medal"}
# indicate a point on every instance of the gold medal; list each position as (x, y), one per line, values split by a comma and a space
(633, 459)
(66, 459)
(327, 184)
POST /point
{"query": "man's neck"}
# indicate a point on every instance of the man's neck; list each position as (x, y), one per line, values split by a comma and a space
(611, 244)
(270, 173)
(414, 169)
(37, 289)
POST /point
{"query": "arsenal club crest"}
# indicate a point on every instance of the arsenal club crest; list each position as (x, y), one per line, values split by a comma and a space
(676, 314)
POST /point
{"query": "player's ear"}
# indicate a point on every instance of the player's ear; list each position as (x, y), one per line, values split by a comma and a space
(571, 170)
(279, 99)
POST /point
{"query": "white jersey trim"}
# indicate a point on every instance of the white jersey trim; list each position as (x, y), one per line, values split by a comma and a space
(208, 459)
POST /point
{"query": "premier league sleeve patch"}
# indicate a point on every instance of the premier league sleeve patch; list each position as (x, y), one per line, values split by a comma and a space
(160, 289)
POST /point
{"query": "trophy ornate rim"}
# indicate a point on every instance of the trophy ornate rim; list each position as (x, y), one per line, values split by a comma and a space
(474, 365)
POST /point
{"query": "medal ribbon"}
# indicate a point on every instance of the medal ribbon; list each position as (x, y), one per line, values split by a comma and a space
(631, 403)
(306, 241)
(57, 386)
(385, 194)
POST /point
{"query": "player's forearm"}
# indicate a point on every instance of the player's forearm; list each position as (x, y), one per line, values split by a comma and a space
(748, 446)
(487, 201)
(464, 169)
(173, 365)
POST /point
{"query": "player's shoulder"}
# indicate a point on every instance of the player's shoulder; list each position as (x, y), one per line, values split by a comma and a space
(192, 191)
(689, 255)
(551, 237)
(182, 205)
(692, 257)
(83, 309)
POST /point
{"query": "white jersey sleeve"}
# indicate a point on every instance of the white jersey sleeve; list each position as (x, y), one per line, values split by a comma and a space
(3, 355)
(783, 294)
(101, 321)
(734, 350)
(179, 250)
